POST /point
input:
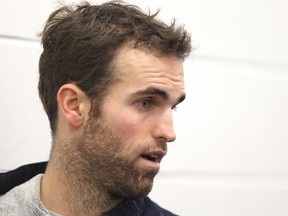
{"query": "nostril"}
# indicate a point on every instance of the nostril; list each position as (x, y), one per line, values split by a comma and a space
(170, 136)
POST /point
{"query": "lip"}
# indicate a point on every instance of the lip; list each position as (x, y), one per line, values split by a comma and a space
(153, 158)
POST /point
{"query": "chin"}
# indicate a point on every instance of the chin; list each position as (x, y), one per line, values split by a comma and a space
(145, 186)
(141, 192)
(134, 189)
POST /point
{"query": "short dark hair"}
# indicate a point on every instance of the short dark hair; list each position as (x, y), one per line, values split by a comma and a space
(80, 42)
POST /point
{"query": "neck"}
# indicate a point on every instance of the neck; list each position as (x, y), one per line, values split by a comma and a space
(66, 189)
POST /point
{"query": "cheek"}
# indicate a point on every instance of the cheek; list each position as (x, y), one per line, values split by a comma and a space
(127, 127)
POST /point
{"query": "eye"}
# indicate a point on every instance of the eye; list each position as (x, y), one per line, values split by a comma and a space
(144, 104)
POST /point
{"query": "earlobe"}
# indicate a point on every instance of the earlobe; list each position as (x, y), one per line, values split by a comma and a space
(70, 101)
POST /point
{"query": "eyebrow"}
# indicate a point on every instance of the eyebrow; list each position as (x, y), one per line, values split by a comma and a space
(158, 92)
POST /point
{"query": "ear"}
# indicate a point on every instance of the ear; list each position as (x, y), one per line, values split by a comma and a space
(73, 105)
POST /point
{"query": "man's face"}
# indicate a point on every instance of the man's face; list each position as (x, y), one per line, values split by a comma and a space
(124, 146)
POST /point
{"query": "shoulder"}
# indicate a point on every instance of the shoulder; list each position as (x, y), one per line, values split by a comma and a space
(11, 202)
(19, 200)
(13, 178)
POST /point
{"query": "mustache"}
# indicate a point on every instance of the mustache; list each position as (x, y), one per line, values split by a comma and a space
(155, 146)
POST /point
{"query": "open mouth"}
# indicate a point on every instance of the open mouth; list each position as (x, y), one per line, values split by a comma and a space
(152, 157)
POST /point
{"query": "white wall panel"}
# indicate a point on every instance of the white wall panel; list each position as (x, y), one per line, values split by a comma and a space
(222, 195)
(24, 18)
(235, 119)
(24, 129)
(250, 30)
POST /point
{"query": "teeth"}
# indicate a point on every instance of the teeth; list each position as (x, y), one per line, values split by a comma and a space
(153, 156)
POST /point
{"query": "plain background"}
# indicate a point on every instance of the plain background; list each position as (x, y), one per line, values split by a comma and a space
(230, 156)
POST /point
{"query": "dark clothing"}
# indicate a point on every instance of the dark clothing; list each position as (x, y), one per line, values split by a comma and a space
(20, 175)
(139, 207)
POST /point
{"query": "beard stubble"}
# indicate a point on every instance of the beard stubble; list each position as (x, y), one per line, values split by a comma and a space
(100, 164)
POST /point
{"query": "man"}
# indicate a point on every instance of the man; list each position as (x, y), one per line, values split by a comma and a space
(110, 77)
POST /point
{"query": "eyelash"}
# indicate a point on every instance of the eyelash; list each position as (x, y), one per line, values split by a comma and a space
(148, 103)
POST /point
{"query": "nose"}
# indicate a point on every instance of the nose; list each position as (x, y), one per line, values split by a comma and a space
(164, 129)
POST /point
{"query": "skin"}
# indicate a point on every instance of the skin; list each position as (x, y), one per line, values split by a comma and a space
(102, 161)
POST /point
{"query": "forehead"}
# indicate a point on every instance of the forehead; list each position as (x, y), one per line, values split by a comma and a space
(138, 66)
